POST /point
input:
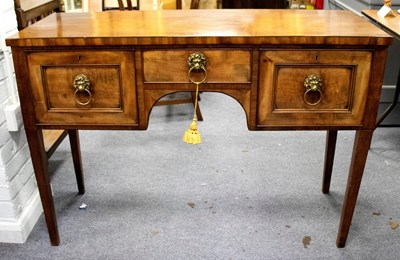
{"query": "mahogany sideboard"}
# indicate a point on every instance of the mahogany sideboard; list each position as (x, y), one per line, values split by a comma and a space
(288, 69)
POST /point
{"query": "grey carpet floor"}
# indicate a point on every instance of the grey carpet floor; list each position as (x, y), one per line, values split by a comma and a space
(238, 195)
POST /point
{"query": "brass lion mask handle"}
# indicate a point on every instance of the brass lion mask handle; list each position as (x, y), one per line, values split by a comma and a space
(313, 90)
(82, 87)
(197, 63)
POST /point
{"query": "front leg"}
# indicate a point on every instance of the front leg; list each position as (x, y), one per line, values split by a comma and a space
(360, 152)
(39, 161)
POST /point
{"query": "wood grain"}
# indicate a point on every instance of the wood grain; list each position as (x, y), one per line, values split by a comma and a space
(202, 27)
(345, 77)
(112, 88)
(168, 65)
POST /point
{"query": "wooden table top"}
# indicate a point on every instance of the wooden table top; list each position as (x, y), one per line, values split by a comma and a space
(390, 23)
(220, 26)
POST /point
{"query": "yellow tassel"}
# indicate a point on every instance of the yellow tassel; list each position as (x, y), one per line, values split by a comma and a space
(192, 135)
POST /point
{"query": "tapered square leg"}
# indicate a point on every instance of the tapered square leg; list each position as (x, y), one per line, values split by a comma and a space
(77, 159)
(360, 152)
(39, 161)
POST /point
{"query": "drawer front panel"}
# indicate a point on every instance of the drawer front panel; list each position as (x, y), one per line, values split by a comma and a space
(171, 66)
(111, 96)
(283, 101)
(289, 93)
(105, 85)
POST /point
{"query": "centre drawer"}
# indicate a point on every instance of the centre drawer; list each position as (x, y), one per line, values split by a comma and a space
(171, 66)
(84, 87)
(313, 87)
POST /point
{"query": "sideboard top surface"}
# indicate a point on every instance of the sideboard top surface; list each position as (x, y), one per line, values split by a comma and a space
(225, 26)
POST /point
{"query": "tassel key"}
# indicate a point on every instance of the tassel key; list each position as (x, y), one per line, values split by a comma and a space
(192, 135)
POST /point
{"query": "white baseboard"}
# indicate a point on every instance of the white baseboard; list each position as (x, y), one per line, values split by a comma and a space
(18, 231)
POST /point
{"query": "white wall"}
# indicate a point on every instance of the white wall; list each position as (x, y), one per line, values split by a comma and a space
(20, 205)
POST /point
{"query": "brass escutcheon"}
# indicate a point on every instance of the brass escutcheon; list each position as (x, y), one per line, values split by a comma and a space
(313, 93)
(197, 60)
(82, 85)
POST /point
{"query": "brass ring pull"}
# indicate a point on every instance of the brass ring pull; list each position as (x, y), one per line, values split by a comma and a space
(190, 75)
(88, 100)
(313, 94)
(197, 62)
(82, 84)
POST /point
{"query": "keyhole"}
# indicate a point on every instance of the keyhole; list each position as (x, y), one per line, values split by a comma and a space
(79, 58)
(316, 57)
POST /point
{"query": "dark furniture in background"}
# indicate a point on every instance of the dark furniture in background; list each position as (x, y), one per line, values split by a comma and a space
(194, 4)
(25, 17)
(256, 4)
